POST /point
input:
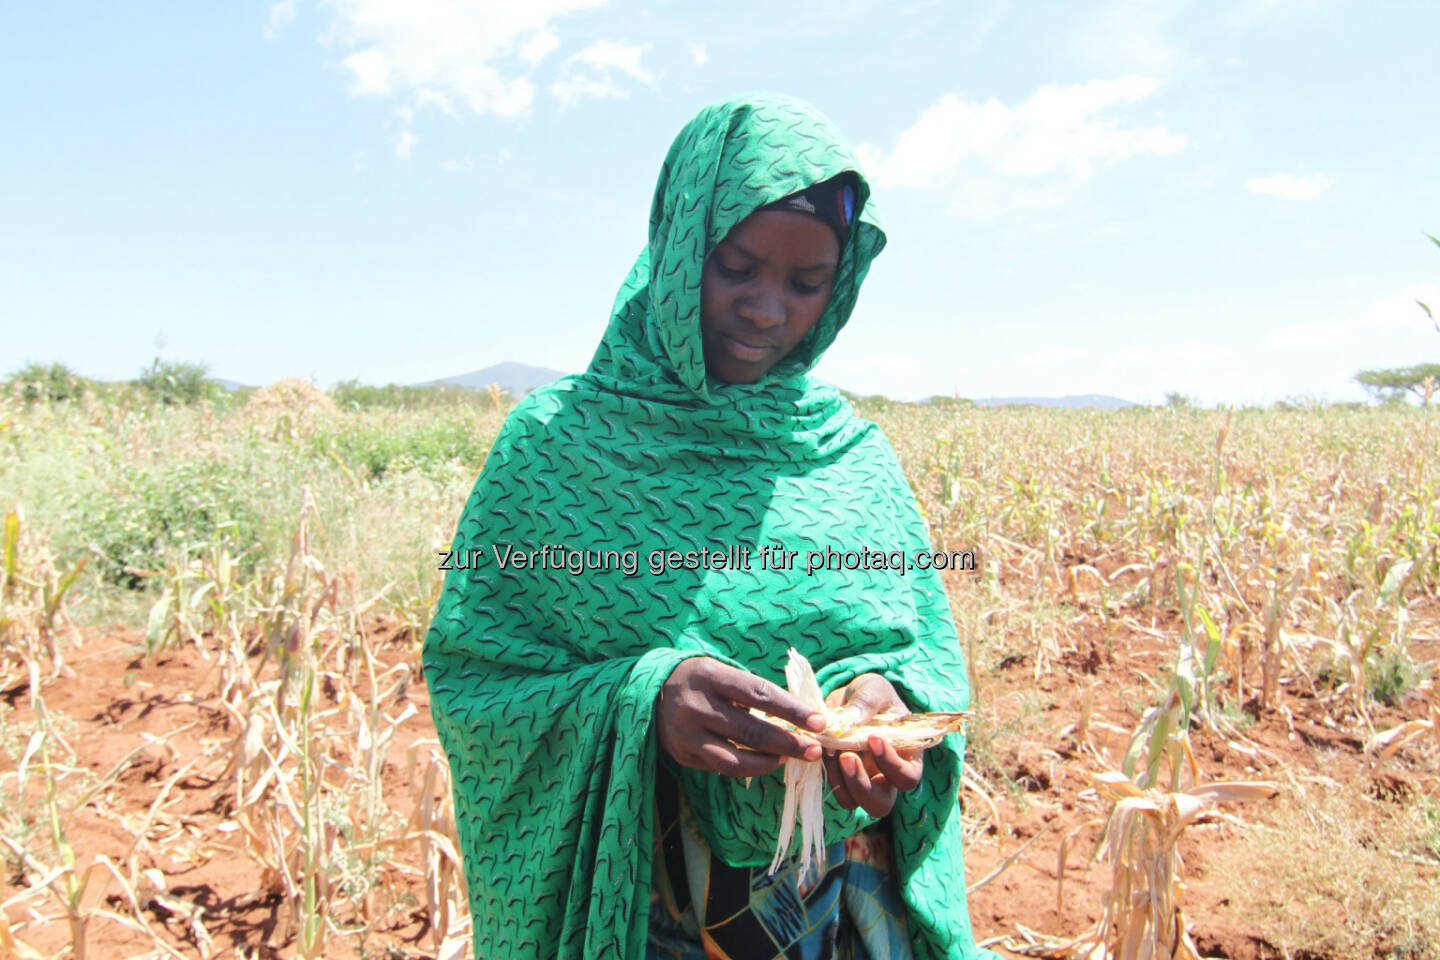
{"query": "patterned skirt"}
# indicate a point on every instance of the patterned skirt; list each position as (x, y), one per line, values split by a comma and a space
(701, 908)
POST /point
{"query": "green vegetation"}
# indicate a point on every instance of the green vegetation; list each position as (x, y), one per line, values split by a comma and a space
(1180, 401)
(353, 395)
(170, 512)
(411, 445)
(52, 382)
(1421, 379)
(1146, 577)
(1391, 677)
(178, 383)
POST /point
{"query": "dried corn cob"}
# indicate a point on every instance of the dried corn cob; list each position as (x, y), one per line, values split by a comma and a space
(805, 780)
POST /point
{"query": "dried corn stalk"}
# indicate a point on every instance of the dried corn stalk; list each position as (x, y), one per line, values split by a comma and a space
(1391, 741)
(805, 779)
(1142, 919)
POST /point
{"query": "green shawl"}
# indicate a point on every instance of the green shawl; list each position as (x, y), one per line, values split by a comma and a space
(543, 679)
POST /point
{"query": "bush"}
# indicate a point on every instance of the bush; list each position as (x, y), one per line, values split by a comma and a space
(52, 382)
(373, 453)
(177, 383)
(355, 395)
(1391, 676)
(194, 504)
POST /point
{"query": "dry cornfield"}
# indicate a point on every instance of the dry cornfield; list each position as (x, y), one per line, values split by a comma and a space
(214, 733)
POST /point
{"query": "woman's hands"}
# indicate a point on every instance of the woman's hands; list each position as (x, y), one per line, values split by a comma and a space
(871, 781)
(704, 720)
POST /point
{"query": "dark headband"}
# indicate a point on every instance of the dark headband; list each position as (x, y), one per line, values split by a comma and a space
(832, 201)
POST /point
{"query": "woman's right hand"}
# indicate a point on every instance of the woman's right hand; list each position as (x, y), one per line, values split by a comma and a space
(704, 720)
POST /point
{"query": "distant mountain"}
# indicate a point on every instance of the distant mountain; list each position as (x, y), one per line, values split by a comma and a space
(1082, 401)
(517, 378)
(231, 385)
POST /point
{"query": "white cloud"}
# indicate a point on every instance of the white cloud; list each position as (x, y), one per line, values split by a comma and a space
(455, 166)
(1130, 372)
(540, 46)
(699, 54)
(281, 13)
(369, 72)
(1057, 132)
(1247, 14)
(881, 361)
(1319, 357)
(1290, 185)
(405, 144)
(606, 55)
(473, 53)
(988, 14)
(426, 95)
(591, 73)
(572, 89)
(1398, 314)
(1131, 35)
(865, 371)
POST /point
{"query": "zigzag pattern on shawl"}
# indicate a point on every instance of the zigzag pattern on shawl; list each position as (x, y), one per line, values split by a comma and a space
(543, 683)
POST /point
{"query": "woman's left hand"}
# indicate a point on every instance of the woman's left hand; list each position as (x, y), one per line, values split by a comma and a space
(871, 780)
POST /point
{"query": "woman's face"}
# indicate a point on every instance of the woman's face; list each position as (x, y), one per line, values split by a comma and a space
(762, 290)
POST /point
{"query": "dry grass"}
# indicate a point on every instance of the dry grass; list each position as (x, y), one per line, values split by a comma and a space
(1340, 874)
(1262, 557)
(306, 781)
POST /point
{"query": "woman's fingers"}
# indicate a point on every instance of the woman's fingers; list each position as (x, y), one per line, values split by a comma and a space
(838, 784)
(703, 722)
(867, 696)
(721, 756)
(748, 690)
(743, 727)
(873, 793)
(901, 771)
(855, 786)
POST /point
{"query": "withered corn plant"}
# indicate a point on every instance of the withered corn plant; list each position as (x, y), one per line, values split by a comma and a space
(32, 600)
(1142, 917)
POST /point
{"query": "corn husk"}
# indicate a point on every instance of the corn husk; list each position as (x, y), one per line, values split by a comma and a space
(805, 779)
(804, 783)
(915, 731)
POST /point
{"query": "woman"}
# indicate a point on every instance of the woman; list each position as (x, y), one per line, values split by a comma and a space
(644, 529)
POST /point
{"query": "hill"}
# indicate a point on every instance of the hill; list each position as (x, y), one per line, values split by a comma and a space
(1082, 401)
(232, 385)
(517, 378)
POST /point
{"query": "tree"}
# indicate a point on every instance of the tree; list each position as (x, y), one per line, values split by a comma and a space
(177, 383)
(1423, 380)
(53, 382)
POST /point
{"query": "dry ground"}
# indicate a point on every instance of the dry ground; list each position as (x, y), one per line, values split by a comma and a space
(115, 700)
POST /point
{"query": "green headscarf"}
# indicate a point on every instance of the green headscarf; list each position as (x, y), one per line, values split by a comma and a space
(543, 680)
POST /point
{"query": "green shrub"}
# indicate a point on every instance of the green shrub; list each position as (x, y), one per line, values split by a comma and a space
(52, 382)
(176, 383)
(373, 453)
(1390, 677)
(354, 395)
(185, 507)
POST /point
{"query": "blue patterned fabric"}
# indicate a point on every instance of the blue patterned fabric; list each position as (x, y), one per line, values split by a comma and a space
(853, 911)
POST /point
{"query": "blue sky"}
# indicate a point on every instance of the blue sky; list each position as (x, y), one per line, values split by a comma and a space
(1227, 199)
